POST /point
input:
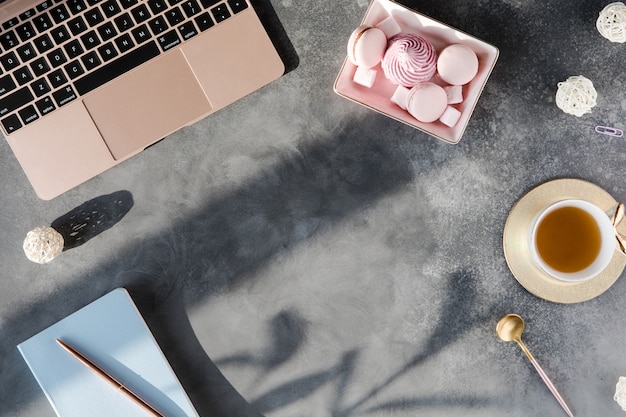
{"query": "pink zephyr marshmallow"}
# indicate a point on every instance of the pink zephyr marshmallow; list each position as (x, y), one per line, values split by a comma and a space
(410, 59)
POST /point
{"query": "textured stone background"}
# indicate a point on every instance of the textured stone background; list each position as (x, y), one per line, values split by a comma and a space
(328, 261)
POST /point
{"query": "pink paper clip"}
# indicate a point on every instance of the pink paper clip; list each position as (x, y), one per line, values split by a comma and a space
(610, 131)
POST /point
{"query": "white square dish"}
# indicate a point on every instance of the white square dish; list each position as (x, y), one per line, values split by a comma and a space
(378, 97)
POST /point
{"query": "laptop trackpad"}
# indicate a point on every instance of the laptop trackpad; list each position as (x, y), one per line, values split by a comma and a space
(147, 104)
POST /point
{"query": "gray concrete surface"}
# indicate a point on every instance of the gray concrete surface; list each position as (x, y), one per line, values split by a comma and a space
(299, 255)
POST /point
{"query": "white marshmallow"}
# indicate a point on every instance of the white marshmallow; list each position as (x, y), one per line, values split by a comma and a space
(365, 76)
(390, 27)
(455, 93)
(401, 97)
(450, 116)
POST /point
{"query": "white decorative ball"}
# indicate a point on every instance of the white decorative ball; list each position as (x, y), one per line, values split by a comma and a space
(576, 95)
(43, 244)
(620, 392)
(611, 22)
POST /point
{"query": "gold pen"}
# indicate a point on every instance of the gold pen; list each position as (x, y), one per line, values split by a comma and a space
(110, 378)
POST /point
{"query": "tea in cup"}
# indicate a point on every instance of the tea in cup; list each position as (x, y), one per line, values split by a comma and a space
(572, 240)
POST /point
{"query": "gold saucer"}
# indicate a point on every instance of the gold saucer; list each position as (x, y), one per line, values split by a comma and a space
(517, 253)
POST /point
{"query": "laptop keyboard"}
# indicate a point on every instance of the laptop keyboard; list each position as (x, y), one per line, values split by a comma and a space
(62, 49)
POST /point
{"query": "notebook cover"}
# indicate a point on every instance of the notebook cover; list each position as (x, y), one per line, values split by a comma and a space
(111, 332)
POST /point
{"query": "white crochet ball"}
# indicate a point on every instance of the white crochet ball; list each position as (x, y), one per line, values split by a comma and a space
(43, 244)
(576, 95)
(611, 22)
(620, 392)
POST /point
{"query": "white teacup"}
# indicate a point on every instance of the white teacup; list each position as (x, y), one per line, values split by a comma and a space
(572, 240)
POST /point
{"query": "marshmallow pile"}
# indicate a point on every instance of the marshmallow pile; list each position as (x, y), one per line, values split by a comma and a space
(429, 84)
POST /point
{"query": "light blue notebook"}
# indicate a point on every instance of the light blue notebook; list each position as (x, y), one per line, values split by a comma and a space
(112, 332)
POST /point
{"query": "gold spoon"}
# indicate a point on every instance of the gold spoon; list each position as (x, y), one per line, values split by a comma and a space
(509, 329)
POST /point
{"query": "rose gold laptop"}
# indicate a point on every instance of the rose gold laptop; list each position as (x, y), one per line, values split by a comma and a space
(86, 84)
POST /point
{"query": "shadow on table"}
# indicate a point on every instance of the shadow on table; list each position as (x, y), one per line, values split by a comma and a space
(92, 218)
(164, 311)
(459, 316)
(214, 252)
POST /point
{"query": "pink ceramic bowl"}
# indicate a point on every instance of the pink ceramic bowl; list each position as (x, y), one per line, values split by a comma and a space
(440, 35)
